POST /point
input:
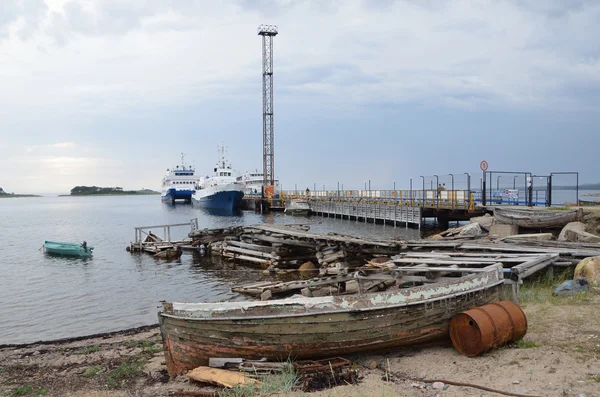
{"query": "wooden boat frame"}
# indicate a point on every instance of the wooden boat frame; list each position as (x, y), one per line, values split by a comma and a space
(537, 218)
(302, 327)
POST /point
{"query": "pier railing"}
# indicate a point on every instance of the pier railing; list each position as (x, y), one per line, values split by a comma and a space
(141, 232)
(444, 199)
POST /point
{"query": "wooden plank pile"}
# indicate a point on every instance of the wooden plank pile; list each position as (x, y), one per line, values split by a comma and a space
(267, 248)
(288, 247)
(364, 264)
(208, 236)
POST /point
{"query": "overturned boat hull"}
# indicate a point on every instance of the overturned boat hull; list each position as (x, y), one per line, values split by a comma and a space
(302, 327)
(537, 218)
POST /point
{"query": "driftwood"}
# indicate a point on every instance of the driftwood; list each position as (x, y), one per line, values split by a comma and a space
(220, 377)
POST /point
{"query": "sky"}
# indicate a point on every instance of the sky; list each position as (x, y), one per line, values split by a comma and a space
(110, 93)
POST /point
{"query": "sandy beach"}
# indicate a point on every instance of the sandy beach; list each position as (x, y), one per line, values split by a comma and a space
(559, 356)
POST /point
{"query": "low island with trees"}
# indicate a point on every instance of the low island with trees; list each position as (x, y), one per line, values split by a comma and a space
(107, 191)
(4, 194)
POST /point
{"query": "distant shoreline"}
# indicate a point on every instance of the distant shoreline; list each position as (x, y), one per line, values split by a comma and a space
(110, 194)
(18, 195)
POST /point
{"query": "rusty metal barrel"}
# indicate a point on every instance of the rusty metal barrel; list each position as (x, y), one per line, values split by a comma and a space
(480, 329)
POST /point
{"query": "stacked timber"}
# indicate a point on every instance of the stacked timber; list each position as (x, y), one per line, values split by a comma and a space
(208, 236)
(267, 248)
(288, 247)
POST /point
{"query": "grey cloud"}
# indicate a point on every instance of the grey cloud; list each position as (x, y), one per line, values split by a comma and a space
(336, 74)
(31, 11)
(555, 8)
(110, 17)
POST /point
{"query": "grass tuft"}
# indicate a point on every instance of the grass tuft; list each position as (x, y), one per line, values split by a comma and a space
(283, 382)
(41, 392)
(596, 378)
(540, 291)
(22, 390)
(89, 349)
(147, 346)
(126, 370)
(524, 344)
(91, 371)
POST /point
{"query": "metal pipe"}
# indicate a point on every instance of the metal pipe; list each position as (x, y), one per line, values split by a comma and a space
(437, 182)
(452, 178)
(515, 181)
(498, 181)
(577, 190)
(422, 190)
(468, 181)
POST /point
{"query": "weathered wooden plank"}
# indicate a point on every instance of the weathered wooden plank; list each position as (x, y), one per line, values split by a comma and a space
(458, 261)
(534, 265)
(256, 247)
(247, 258)
(414, 269)
(344, 239)
(282, 241)
(248, 252)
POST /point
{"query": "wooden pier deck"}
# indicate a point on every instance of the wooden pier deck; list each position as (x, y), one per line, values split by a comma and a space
(369, 212)
(393, 207)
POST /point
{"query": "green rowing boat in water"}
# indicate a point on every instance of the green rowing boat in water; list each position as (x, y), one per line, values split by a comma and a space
(68, 249)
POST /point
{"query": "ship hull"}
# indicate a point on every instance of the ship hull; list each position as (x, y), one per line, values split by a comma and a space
(174, 195)
(226, 200)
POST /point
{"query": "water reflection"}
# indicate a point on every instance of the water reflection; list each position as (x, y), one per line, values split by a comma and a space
(221, 212)
(56, 297)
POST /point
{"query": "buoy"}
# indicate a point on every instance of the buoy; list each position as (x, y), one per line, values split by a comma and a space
(483, 328)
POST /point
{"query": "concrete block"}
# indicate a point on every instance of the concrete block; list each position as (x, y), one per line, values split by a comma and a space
(500, 230)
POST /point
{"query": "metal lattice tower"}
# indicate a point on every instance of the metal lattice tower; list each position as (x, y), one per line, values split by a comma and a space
(268, 32)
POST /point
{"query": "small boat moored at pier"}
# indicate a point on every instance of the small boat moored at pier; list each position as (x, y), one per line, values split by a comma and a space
(68, 249)
(311, 327)
(297, 207)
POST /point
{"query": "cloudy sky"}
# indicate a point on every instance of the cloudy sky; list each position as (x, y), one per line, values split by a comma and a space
(110, 92)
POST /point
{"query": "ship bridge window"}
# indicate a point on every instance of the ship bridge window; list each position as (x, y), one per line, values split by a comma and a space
(229, 174)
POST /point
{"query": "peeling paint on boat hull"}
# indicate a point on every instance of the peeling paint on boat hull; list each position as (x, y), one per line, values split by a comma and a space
(279, 330)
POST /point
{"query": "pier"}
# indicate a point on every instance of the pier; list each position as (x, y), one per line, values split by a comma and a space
(409, 207)
(161, 246)
(393, 207)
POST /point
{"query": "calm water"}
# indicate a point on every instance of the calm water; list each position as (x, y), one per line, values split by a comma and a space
(45, 297)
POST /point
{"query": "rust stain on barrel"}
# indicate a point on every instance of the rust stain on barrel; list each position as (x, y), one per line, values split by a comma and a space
(480, 329)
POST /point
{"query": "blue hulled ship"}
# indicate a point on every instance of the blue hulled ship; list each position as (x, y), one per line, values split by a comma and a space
(221, 191)
(179, 184)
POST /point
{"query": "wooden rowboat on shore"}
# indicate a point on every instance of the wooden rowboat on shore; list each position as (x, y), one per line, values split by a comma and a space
(537, 218)
(310, 327)
(588, 202)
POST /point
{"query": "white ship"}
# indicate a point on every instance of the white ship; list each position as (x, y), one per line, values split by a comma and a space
(253, 182)
(179, 183)
(220, 191)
